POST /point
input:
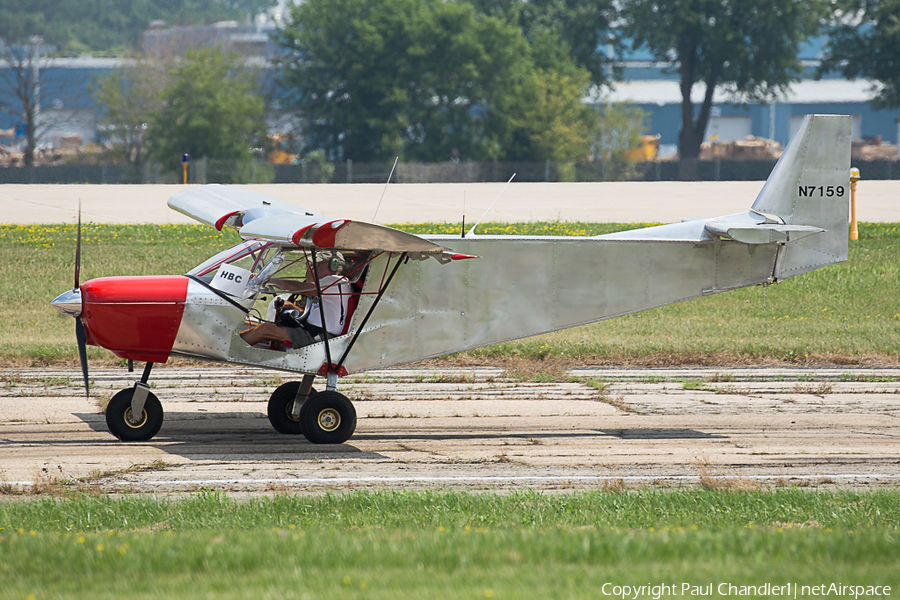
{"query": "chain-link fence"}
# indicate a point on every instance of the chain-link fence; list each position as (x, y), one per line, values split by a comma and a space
(255, 171)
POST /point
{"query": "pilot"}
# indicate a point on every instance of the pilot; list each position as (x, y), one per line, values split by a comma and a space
(301, 327)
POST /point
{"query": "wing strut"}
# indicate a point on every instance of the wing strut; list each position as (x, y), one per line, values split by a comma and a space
(321, 306)
(402, 260)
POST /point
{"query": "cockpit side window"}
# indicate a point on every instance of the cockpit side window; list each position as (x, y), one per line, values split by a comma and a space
(291, 267)
(295, 267)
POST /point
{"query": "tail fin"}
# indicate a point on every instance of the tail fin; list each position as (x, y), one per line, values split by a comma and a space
(810, 186)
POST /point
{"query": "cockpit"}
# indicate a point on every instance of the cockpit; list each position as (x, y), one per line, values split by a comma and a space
(260, 275)
(256, 267)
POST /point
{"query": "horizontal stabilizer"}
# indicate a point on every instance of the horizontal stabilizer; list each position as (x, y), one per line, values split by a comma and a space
(763, 233)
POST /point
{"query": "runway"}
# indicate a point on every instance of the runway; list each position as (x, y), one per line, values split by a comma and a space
(473, 428)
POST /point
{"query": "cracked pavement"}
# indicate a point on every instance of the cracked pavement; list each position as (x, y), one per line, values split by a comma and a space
(469, 428)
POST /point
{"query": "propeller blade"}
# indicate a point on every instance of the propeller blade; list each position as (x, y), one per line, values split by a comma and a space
(78, 249)
(82, 353)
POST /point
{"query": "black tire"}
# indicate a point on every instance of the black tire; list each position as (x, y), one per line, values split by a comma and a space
(118, 412)
(279, 410)
(328, 418)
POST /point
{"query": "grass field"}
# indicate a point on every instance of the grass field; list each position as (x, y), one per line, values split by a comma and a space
(846, 314)
(447, 544)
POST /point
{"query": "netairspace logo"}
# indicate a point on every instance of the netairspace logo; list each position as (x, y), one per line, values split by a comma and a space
(789, 590)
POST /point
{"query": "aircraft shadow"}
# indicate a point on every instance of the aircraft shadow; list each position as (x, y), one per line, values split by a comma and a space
(637, 434)
(661, 434)
(231, 437)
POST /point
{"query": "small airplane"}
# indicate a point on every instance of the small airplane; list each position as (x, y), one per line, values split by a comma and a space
(382, 297)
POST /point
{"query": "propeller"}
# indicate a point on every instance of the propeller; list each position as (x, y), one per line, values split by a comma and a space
(80, 335)
(82, 353)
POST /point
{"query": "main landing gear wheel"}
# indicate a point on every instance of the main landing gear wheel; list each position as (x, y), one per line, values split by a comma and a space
(328, 418)
(281, 405)
(128, 429)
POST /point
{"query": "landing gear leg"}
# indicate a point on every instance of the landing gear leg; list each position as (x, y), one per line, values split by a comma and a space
(141, 389)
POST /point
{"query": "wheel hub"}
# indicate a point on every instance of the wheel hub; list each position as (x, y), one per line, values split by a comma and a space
(289, 412)
(135, 423)
(329, 419)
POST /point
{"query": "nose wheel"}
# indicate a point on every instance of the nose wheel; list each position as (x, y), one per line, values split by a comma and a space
(135, 414)
(130, 427)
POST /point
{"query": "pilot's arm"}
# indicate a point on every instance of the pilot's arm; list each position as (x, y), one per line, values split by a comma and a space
(304, 288)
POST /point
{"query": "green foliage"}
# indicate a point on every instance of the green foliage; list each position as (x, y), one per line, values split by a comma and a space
(76, 26)
(748, 46)
(583, 30)
(126, 98)
(210, 109)
(429, 81)
(319, 170)
(204, 105)
(616, 133)
(557, 125)
(865, 42)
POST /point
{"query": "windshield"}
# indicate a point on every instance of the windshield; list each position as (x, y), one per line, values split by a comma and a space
(250, 255)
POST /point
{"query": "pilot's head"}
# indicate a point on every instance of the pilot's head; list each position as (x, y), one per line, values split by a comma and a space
(333, 261)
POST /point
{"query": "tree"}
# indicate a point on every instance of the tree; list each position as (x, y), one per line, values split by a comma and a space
(747, 47)
(583, 28)
(552, 118)
(126, 99)
(209, 109)
(553, 123)
(865, 42)
(426, 79)
(617, 132)
(388, 76)
(21, 76)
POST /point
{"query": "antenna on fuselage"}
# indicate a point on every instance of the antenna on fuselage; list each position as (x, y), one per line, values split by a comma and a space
(385, 188)
(471, 231)
(462, 230)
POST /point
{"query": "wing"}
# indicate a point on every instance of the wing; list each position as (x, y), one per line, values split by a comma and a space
(257, 216)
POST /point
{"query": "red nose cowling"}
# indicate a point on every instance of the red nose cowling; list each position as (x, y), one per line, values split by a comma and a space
(134, 317)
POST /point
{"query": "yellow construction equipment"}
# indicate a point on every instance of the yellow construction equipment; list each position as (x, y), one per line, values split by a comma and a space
(281, 149)
(647, 150)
